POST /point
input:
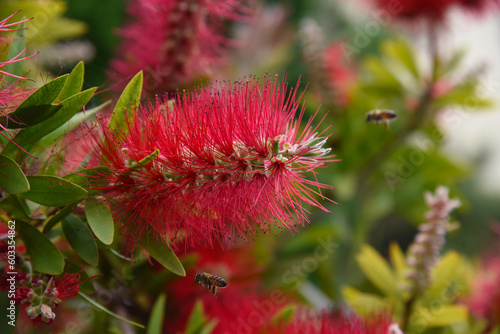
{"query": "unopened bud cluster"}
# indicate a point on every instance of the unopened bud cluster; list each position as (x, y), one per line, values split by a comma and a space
(424, 251)
(42, 299)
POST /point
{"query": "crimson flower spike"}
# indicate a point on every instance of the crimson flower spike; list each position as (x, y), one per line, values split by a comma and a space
(231, 159)
(7, 27)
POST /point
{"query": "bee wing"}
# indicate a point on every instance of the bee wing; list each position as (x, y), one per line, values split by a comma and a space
(387, 114)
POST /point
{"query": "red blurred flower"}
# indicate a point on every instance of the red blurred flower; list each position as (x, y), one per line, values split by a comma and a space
(230, 159)
(340, 75)
(334, 323)
(236, 310)
(244, 306)
(484, 296)
(434, 10)
(174, 41)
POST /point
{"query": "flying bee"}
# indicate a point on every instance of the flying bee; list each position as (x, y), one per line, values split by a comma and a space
(381, 116)
(209, 281)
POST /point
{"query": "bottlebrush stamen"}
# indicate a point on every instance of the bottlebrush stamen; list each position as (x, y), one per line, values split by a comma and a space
(230, 158)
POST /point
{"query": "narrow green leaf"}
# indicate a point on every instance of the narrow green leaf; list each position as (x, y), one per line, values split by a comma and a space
(12, 178)
(155, 324)
(102, 308)
(444, 274)
(67, 109)
(100, 220)
(17, 46)
(381, 74)
(30, 115)
(37, 107)
(90, 179)
(196, 320)
(74, 84)
(80, 239)
(141, 163)
(19, 205)
(377, 270)
(58, 217)
(53, 191)
(209, 327)
(44, 256)
(127, 103)
(443, 316)
(397, 259)
(363, 303)
(146, 160)
(70, 125)
(164, 255)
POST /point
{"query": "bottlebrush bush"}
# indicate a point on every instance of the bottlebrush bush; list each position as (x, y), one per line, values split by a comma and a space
(164, 205)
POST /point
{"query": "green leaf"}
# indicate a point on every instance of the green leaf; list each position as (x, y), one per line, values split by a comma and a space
(17, 46)
(37, 107)
(444, 273)
(100, 220)
(397, 259)
(53, 191)
(125, 107)
(196, 319)
(102, 308)
(29, 116)
(284, 315)
(381, 76)
(198, 322)
(74, 84)
(442, 316)
(146, 160)
(12, 178)
(68, 109)
(44, 256)
(16, 207)
(164, 255)
(363, 303)
(70, 125)
(58, 217)
(464, 95)
(155, 324)
(90, 179)
(80, 239)
(377, 270)
(401, 51)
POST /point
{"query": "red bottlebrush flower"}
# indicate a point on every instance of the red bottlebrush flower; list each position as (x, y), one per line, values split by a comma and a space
(11, 94)
(434, 10)
(174, 41)
(332, 323)
(230, 158)
(68, 285)
(5, 26)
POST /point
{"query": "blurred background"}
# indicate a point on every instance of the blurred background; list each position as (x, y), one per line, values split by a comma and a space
(437, 68)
